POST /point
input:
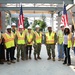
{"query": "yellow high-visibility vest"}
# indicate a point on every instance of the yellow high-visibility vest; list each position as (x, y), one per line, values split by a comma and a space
(38, 37)
(29, 38)
(50, 38)
(74, 39)
(60, 37)
(9, 40)
(74, 42)
(69, 40)
(21, 38)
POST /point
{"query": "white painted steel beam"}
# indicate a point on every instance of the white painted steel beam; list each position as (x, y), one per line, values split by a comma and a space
(37, 1)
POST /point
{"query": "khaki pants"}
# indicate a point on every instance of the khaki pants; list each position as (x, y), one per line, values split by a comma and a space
(23, 52)
(37, 49)
(50, 49)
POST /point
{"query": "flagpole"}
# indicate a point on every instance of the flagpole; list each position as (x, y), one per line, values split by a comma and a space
(63, 3)
(21, 21)
(20, 4)
(64, 17)
(72, 18)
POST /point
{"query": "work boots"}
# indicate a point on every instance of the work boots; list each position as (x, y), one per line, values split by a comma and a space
(38, 57)
(17, 59)
(49, 58)
(30, 56)
(53, 58)
(35, 57)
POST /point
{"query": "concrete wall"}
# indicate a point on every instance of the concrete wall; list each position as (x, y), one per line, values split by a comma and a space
(2, 20)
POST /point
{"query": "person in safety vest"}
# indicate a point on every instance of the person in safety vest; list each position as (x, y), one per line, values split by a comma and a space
(29, 42)
(37, 42)
(14, 32)
(67, 45)
(50, 41)
(21, 43)
(73, 43)
(9, 45)
(60, 39)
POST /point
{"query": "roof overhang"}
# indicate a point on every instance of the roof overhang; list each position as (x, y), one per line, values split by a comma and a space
(31, 8)
(37, 1)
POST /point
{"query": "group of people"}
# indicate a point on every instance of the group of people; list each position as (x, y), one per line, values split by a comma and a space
(66, 42)
(22, 40)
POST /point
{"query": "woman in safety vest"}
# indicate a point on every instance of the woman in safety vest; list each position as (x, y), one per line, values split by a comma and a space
(67, 45)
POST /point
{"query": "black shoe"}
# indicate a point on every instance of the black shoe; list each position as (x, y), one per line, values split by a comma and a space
(1, 63)
(14, 58)
(38, 57)
(48, 58)
(64, 63)
(68, 64)
(53, 58)
(30, 57)
(35, 58)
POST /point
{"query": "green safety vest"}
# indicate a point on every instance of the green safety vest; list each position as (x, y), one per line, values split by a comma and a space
(60, 37)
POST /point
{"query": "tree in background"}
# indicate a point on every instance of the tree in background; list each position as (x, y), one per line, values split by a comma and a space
(26, 23)
(15, 20)
(41, 23)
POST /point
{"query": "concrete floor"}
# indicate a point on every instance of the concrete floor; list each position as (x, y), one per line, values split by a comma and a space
(40, 67)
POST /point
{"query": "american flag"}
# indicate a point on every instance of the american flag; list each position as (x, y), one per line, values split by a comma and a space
(64, 18)
(21, 18)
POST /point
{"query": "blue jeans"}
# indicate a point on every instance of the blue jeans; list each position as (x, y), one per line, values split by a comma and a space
(60, 51)
(74, 50)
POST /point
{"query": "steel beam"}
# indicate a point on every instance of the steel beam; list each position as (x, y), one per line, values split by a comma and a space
(31, 8)
(31, 15)
(37, 1)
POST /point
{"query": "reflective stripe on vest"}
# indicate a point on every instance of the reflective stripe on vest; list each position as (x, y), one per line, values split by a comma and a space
(9, 40)
(50, 38)
(74, 43)
(69, 41)
(38, 37)
(29, 38)
(21, 38)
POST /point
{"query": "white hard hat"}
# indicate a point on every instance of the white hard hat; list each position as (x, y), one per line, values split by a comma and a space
(20, 26)
(37, 26)
(49, 26)
(70, 26)
(67, 27)
(13, 24)
(29, 27)
(8, 27)
(61, 25)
